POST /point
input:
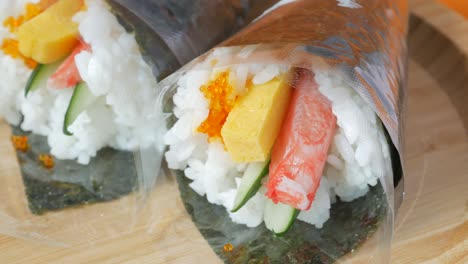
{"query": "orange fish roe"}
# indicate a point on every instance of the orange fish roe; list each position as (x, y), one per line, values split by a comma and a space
(31, 10)
(47, 161)
(228, 247)
(13, 23)
(221, 100)
(10, 46)
(20, 143)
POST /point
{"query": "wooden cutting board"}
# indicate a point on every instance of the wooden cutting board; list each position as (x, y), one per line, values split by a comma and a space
(432, 222)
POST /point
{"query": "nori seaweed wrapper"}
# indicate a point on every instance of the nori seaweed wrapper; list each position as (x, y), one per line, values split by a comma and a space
(350, 225)
(169, 33)
(108, 176)
(173, 32)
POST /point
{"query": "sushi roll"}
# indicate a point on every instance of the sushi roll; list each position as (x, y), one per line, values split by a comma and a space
(78, 86)
(267, 150)
(79, 60)
(70, 66)
(286, 139)
(271, 143)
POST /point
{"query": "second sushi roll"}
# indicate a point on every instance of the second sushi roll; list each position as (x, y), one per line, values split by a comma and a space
(80, 77)
(78, 83)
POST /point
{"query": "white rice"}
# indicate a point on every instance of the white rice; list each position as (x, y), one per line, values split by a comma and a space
(13, 73)
(115, 71)
(357, 159)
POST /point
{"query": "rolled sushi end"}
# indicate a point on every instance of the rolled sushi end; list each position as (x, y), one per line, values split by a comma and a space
(89, 130)
(90, 47)
(349, 143)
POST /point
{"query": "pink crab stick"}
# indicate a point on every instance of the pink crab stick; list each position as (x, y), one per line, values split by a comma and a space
(300, 152)
(67, 75)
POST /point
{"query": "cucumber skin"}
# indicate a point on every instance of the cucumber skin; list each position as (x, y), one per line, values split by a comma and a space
(32, 79)
(293, 218)
(254, 189)
(43, 72)
(73, 98)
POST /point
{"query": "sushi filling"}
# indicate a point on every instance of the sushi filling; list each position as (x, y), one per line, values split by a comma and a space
(88, 88)
(268, 140)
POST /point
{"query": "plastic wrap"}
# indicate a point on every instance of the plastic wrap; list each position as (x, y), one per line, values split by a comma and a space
(356, 44)
(75, 199)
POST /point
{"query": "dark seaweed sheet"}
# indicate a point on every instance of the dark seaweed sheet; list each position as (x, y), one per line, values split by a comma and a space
(153, 48)
(349, 226)
(173, 32)
(110, 175)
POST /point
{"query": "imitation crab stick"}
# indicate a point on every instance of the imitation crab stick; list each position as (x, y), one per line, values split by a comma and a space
(67, 75)
(300, 152)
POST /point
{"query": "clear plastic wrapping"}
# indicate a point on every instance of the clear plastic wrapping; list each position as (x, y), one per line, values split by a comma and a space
(65, 190)
(354, 54)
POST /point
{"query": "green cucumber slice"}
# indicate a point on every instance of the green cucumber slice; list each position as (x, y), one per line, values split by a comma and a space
(81, 99)
(251, 182)
(279, 217)
(38, 78)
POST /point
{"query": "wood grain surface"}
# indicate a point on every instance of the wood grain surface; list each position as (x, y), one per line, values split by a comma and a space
(432, 224)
